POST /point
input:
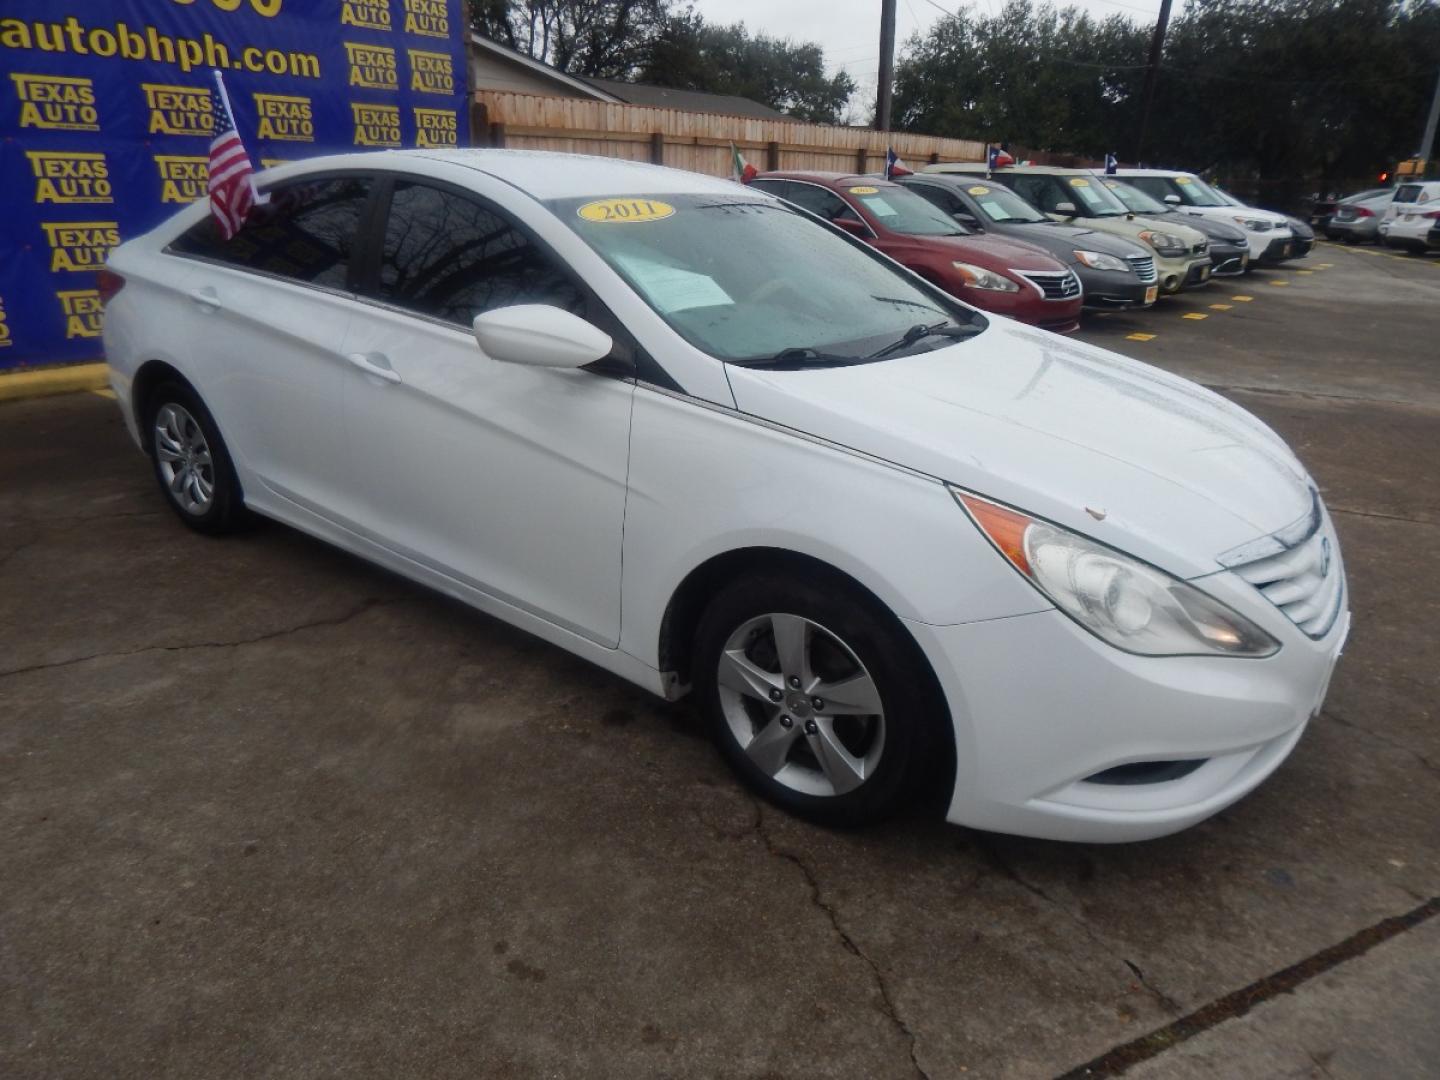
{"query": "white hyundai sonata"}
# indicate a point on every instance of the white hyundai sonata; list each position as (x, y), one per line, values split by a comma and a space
(700, 438)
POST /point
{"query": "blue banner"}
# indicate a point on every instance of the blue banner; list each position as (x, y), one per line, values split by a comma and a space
(105, 123)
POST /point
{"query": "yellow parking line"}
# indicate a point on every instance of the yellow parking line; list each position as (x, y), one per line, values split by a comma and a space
(1279, 283)
(1139, 337)
(1197, 315)
(1304, 271)
(1323, 266)
(1221, 307)
(1242, 299)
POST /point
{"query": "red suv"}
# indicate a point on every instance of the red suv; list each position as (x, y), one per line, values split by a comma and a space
(1005, 276)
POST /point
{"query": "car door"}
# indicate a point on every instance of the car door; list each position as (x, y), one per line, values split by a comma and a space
(506, 477)
(269, 310)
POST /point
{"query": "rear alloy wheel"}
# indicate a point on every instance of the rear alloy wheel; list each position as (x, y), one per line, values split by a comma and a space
(816, 699)
(191, 462)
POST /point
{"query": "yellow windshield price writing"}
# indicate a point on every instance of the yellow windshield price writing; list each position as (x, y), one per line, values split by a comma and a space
(978, 190)
(1079, 181)
(627, 211)
(864, 191)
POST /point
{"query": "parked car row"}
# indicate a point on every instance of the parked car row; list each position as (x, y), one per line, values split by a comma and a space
(1041, 244)
(1406, 216)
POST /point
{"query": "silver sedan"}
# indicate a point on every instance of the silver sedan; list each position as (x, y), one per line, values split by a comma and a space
(1357, 217)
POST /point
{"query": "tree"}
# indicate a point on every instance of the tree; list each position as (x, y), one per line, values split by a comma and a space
(692, 55)
(605, 39)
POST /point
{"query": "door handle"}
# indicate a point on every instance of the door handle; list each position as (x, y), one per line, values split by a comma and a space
(374, 364)
(206, 298)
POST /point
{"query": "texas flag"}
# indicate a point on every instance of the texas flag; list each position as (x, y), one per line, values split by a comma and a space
(1111, 165)
(894, 166)
(999, 158)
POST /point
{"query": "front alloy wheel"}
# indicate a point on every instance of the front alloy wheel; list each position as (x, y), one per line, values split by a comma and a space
(801, 705)
(183, 459)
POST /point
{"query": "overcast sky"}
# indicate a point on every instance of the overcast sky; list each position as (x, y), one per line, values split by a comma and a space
(849, 30)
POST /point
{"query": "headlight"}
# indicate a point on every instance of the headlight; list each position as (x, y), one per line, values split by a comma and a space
(977, 277)
(1255, 224)
(1098, 260)
(1163, 242)
(1122, 601)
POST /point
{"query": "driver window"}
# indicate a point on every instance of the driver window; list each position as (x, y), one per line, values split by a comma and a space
(819, 201)
(448, 256)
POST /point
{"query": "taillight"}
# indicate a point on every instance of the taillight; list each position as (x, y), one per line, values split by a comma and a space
(1360, 211)
(108, 283)
(1431, 214)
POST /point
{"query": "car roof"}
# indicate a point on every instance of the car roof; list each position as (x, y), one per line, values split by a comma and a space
(541, 174)
(971, 168)
(1152, 172)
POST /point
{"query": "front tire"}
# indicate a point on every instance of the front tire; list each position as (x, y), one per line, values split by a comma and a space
(818, 698)
(191, 462)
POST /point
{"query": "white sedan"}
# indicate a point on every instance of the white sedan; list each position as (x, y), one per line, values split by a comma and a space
(715, 446)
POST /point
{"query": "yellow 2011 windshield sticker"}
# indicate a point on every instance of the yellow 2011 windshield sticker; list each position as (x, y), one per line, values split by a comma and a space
(625, 211)
(1079, 181)
(864, 191)
(978, 190)
(1182, 180)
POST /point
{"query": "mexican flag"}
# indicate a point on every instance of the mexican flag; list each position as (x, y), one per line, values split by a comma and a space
(741, 171)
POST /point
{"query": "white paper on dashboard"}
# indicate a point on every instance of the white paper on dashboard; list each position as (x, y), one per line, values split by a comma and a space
(670, 288)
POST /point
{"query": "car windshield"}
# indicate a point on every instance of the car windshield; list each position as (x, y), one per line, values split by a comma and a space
(745, 280)
(1195, 192)
(903, 211)
(1002, 205)
(1094, 198)
(1135, 200)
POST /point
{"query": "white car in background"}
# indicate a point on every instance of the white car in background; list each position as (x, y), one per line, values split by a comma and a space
(713, 445)
(1412, 220)
(1269, 233)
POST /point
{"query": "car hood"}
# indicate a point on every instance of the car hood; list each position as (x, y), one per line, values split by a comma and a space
(1059, 234)
(991, 252)
(1123, 452)
(1217, 230)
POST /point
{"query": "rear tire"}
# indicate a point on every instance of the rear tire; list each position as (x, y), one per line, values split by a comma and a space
(191, 462)
(818, 698)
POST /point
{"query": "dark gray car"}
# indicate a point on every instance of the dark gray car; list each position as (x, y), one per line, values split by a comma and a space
(1229, 248)
(1115, 272)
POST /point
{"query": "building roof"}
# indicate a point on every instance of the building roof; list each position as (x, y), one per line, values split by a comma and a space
(664, 97)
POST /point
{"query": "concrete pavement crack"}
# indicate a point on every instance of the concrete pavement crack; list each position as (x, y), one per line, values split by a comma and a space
(356, 612)
(1382, 517)
(1164, 1000)
(1237, 1003)
(1393, 744)
(848, 942)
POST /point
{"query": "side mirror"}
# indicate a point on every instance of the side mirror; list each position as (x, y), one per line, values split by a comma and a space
(1067, 209)
(1173, 200)
(852, 226)
(967, 219)
(540, 335)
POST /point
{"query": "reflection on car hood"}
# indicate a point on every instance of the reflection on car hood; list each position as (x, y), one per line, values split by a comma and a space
(1119, 450)
(997, 252)
(1046, 233)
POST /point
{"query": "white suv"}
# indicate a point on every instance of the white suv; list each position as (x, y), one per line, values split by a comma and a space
(1412, 220)
(1269, 234)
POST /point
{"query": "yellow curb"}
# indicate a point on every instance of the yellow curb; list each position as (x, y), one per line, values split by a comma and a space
(1221, 307)
(1139, 337)
(1194, 315)
(1242, 299)
(105, 393)
(41, 382)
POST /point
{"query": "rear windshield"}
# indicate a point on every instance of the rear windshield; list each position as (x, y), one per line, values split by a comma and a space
(746, 279)
(1408, 193)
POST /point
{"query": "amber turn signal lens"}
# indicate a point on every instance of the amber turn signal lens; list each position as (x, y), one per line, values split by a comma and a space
(1005, 528)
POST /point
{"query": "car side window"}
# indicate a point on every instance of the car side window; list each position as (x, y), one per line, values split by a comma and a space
(1040, 190)
(779, 188)
(306, 231)
(946, 200)
(821, 202)
(1157, 187)
(450, 257)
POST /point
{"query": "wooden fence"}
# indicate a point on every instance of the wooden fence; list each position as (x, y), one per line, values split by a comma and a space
(699, 142)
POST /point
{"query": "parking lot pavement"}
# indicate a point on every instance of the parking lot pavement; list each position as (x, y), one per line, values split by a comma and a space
(267, 810)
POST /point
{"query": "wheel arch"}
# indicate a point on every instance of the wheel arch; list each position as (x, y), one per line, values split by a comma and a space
(147, 377)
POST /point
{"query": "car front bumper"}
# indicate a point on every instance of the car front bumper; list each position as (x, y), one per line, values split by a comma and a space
(1106, 290)
(1039, 705)
(1227, 260)
(1278, 249)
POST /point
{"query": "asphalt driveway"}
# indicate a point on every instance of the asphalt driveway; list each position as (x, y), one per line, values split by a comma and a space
(268, 811)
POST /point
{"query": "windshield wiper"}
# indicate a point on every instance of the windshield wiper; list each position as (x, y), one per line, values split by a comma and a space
(796, 357)
(920, 331)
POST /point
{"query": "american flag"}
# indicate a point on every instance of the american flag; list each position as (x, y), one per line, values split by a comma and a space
(231, 185)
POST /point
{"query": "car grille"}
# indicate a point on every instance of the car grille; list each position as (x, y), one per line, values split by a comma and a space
(1062, 286)
(1144, 267)
(1298, 570)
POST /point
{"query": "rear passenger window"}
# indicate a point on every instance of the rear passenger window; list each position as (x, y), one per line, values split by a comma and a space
(821, 202)
(450, 257)
(306, 232)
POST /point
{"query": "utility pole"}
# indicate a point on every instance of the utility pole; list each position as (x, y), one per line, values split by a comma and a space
(1152, 76)
(1427, 144)
(887, 64)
